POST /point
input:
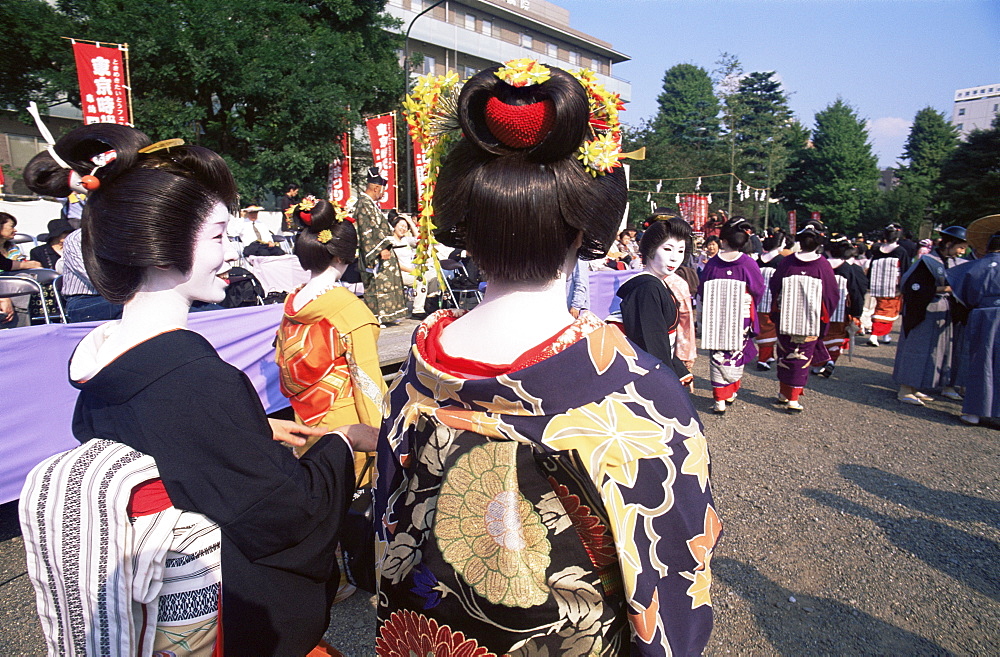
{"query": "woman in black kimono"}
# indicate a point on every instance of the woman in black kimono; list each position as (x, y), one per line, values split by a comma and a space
(153, 240)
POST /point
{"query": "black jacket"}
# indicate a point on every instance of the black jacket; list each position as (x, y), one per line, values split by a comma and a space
(174, 399)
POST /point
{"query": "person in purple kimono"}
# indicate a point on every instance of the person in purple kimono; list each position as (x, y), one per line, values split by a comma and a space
(804, 293)
(731, 285)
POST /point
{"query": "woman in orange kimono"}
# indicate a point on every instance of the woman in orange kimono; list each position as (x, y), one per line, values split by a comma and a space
(326, 346)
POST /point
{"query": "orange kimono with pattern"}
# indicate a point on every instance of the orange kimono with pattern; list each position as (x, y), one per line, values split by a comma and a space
(328, 357)
(563, 508)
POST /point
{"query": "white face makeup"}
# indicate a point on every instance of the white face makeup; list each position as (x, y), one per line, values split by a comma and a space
(203, 282)
(666, 258)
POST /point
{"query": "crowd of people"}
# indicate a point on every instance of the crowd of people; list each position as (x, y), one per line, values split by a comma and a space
(540, 480)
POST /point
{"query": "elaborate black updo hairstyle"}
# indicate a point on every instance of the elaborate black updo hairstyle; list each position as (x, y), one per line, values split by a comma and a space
(518, 210)
(659, 230)
(840, 247)
(316, 256)
(734, 233)
(149, 206)
(892, 233)
(773, 241)
(811, 236)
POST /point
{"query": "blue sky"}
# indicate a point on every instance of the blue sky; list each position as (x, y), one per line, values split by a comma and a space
(888, 59)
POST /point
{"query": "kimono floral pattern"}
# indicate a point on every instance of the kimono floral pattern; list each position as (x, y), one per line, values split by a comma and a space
(479, 534)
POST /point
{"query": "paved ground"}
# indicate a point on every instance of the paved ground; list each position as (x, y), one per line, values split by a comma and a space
(860, 527)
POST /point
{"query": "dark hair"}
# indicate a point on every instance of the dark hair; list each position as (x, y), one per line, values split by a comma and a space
(290, 186)
(810, 237)
(773, 241)
(734, 233)
(891, 233)
(711, 239)
(6, 217)
(948, 240)
(840, 247)
(316, 256)
(517, 211)
(148, 208)
(659, 232)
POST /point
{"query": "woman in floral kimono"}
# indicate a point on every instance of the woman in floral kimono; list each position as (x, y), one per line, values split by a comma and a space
(543, 485)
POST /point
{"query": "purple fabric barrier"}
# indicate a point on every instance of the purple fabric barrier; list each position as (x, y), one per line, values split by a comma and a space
(38, 411)
(603, 285)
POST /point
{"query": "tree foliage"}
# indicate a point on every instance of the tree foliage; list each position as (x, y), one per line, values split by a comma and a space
(269, 84)
(837, 175)
(970, 177)
(688, 109)
(930, 142)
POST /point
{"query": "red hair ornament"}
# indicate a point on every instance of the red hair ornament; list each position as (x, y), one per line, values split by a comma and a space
(520, 126)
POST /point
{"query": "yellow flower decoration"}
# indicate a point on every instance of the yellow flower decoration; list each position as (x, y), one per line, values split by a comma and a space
(523, 72)
(489, 532)
(324, 236)
(600, 155)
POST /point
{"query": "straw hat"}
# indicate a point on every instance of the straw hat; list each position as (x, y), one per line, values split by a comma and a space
(980, 231)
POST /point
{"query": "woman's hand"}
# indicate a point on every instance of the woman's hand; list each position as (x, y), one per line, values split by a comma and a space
(362, 437)
(6, 310)
(292, 433)
(27, 264)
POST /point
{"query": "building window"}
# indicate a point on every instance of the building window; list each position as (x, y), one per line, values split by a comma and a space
(552, 50)
(487, 27)
(526, 41)
(961, 112)
(959, 126)
(468, 71)
(470, 22)
(996, 108)
(429, 65)
(574, 58)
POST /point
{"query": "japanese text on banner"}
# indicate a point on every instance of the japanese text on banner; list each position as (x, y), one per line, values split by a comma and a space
(382, 133)
(101, 73)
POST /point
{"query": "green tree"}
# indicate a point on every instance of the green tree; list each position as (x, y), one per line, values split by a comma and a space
(269, 84)
(837, 175)
(930, 142)
(688, 111)
(970, 177)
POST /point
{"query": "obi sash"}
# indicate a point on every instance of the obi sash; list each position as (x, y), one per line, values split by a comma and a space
(801, 305)
(724, 315)
(840, 312)
(764, 305)
(884, 275)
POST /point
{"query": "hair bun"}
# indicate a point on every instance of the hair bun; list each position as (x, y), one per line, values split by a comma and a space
(542, 122)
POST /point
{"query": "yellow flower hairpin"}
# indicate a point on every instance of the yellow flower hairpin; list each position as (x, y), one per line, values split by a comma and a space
(523, 73)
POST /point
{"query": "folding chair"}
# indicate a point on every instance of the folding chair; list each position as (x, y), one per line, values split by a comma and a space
(461, 286)
(23, 238)
(48, 277)
(19, 286)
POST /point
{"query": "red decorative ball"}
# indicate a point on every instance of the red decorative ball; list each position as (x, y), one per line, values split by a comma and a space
(520, 126)
(90, 183)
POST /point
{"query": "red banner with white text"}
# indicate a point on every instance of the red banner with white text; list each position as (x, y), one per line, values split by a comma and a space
(103, 83)
(339, 181)
(792, 225)
(419, 167)
(694, 210)
(382, 133)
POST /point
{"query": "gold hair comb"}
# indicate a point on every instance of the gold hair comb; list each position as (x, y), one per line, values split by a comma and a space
(166, 144)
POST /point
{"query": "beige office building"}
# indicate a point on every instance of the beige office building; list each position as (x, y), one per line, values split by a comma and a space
(468, 35)
(975, 108)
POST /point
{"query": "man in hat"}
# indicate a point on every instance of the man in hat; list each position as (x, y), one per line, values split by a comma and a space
(257, 239)
(377, 262)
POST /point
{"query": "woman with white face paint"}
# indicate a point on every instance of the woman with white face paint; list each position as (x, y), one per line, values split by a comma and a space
(174, 438)
(651, 313)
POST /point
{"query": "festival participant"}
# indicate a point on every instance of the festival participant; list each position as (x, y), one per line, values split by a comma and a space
(379, 266)
(11, 258)
(177, 455)
(710, 248)
(804, 294)
(768, 261)
(526, 454)
(852, 285)
(50, 253)
(976, 285)
(924, 357)
(888, 261)
(650, 311)
(327, 342)
(731, 286)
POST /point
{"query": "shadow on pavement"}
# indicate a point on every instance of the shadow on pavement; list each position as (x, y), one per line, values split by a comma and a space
(814, 625)
(969, 559)
(10, 526)
(908, 493)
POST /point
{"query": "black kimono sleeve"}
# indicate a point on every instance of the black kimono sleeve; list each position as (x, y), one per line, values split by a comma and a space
(857, 288)
(918, 290)
(649, 313)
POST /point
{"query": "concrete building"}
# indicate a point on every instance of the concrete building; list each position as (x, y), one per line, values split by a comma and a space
(467, 35)
(19, 142)
(975, 108)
